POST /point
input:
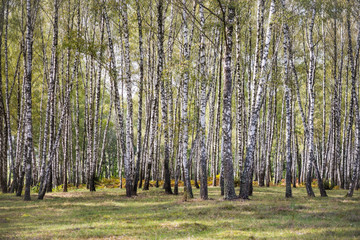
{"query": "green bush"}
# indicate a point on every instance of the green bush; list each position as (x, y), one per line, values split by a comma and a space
(328, 184)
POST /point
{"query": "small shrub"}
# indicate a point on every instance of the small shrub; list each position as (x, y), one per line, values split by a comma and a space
(36, 188)
(328, 184)
(237, 182)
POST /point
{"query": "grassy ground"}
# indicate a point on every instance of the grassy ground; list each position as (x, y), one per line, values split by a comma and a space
(107, 213)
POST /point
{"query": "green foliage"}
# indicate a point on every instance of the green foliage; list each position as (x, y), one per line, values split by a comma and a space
(328, 184)
(36, 188)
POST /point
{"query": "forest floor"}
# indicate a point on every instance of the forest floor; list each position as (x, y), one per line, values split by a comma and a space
(109, 214)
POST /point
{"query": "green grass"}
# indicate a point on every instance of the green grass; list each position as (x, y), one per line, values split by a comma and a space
(107, 213)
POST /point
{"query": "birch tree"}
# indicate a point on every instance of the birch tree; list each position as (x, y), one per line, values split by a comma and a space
(164, 102)
(184, 104)
(129, 112)
(227, 159)
(203, 77)
(3, 130)
(28, 100)
(255, 110)
(288, 193)
(310, 141)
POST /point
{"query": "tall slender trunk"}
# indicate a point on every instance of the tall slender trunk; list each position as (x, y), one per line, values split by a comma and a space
(203, 153)
(288, 193)
(141, 89)
(354, 105)
(255, 110)
(337, 115)
(103, 145)
(12, 152)
(7, 135)
(179, 146)
(216, 144)
(48, 125)
(323, 154)
(288, 118)
(3, 127)
(184, 104)
(310, 141)
(240, 79)
(28, 101)
(164, 102)
(114, 76)
(77, 118)
(129, 112)
(17, 171)
(154, 118)
(66, 139)
(227, 159)
(94, 132)
(258, 52)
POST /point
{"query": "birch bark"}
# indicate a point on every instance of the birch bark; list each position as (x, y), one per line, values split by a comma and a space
(255, 110)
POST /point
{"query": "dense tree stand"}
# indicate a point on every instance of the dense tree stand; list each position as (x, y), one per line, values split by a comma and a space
(179, 94)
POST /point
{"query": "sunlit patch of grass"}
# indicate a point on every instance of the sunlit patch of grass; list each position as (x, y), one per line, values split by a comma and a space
(108, 213)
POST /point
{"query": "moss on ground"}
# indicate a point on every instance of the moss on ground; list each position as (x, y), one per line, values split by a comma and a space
(109, 214)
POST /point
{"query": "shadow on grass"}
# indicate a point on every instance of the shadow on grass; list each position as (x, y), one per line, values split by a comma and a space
(156, 215)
